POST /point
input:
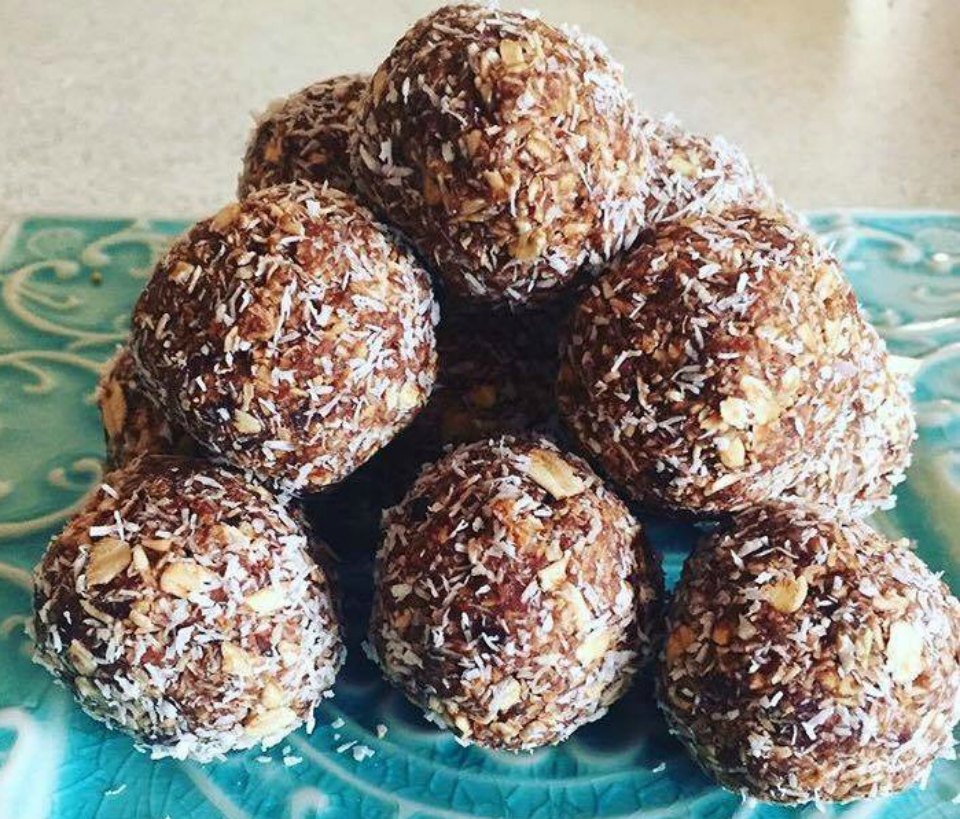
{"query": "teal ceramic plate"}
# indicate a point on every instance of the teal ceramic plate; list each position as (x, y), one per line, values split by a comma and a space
(67, 289)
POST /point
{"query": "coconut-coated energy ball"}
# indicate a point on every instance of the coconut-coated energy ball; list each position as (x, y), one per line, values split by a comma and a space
(507, 150)
(515, 595)
(290, 333)
(693, 174)
(727, 364)
(809, 658)
(304, 136)
(181, 606)
(496, 376)
(132, 424)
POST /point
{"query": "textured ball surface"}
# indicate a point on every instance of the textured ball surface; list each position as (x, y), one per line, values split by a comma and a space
(181, 605)
(304, 137)
(509, 151)
(290, 333)
(515, 596)
(811, 659)
(694, 175)
(132, 424)
(727, 364)
(496, 376)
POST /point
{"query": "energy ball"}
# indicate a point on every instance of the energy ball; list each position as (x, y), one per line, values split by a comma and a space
(496, 376)
(515, 595)
(291, 334)
(727, 364)
(509, 151)
(809, 658)
(132, 424)
(304, 136)
(693, 175)
(181, 606)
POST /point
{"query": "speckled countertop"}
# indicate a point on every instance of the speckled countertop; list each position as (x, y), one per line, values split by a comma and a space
(138, 107)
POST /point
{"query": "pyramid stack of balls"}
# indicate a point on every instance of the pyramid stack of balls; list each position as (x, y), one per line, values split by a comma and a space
(574, 312)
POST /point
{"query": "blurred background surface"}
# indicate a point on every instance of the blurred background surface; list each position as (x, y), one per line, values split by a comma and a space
(139, 107)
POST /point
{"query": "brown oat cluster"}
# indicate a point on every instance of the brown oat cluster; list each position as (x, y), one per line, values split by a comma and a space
(515, 595)
(811, 659)
(509, 151)
(181, 605)
(693, 175)
(727, 364)
(304, 137)
(290, 333)
(132, 424)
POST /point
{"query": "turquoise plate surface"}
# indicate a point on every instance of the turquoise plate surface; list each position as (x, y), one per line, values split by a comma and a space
(67, 289)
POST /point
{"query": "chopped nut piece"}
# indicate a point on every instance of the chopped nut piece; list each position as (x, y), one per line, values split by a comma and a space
(237, 661)
(736, 412)
(108, 557)
(495, 181)
(140, 560)
(552, 575)
(270, 722)
(473, 139)
(732, 452)
(379, 84)
(511, 52)
(289, 652)
(183, 578)
(272, 695)
(554, 474)
(682, 166)
(529, 246)
(409, 396)
(245, 423)
(96, 613)
(83, 661)
(594, 646)
(760, 398)
(225, 217)
(157, 544)
(721, 634)
(140, 616)
(787, 594)
(462, 724)
(539, 147)
(904, 652)
(678, 641)
(581, 611)
(506, 694)
(232, 535)
(181, 270)
(267, 600)
(113, 405)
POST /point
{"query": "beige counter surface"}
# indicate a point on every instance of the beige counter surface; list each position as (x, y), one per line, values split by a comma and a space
(139, 107)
